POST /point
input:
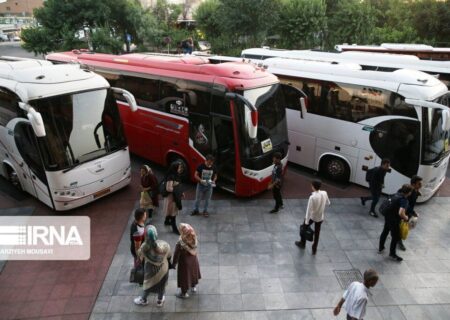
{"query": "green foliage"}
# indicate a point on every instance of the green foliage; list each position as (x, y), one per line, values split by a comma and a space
(352, 22)
(432, 21)
(208, 19)
(36, 40)
(301, 23)
(104, 42)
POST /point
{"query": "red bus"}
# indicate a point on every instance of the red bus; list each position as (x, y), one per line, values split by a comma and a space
(188, 108)
(423, 51)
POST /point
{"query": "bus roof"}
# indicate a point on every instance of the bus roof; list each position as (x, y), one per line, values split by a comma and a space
(392, 47)
(363, 58)
(415, 84)
(32, 79)
(167, 65)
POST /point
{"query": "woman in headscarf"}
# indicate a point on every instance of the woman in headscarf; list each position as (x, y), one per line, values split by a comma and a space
(156, 256)
(185, 256)
(172, 203)
(149, 191)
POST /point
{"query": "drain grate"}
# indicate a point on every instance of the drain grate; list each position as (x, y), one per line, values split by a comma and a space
(345, 277)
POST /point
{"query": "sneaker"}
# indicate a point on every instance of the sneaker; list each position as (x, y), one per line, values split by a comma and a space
(401, 246)
(194, 289)
(380, 251)
(140, 302)
(182, 296)
(160, 303)
(373, 214)
(395, 257)
(194, 213)
(363, 202)
(205, 214)
(300, 245)
(273, 210)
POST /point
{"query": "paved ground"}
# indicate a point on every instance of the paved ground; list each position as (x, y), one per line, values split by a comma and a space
(239, 242)
(252, 269)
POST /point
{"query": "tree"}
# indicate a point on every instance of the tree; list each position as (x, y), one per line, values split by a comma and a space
(394, 22)
(352, 22)
(60, 20)
(208, 19)
(432, 21)
(301, 23)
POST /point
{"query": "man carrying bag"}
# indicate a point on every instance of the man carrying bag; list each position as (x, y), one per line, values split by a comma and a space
(314, 213)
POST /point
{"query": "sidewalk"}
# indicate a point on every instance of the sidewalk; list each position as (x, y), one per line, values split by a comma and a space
(252, 270)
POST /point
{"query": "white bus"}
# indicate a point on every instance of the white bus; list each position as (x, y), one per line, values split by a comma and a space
(353, 118)
(422, 51)
(61, 138)
(367, 60)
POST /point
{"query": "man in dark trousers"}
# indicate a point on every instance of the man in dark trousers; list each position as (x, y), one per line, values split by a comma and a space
(376, 184)
(416, 184)
(392, 217)
(275, 184)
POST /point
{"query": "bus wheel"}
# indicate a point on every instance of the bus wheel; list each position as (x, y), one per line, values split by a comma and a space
(177, 158)
(335, 169)
(13, 178)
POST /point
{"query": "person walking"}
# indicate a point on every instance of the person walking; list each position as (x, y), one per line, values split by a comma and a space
(156, 257)
(276, 183)
(149, 191)
(315, 213)
(185, 256)
(416, 184)
(356, 297)
(376, 184)
(137, 233)
(172, 203)
(392, 217)
(206, 176)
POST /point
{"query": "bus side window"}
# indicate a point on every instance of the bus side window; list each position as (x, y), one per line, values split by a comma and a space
(170, 96)
(146, 91)
(9, 108)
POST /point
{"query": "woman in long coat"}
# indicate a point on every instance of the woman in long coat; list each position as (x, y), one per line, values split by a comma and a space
(172, 203)
(156, 256)
(185, 256)
(149, 188)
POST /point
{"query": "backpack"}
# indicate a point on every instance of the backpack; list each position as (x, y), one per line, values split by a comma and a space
(369, 174)
(389, 205)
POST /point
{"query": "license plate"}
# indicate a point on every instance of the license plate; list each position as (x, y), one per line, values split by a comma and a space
(101, 193)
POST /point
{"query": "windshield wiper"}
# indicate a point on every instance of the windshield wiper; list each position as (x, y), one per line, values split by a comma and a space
(72, 167)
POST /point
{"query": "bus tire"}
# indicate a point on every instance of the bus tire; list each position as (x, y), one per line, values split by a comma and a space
(335, 169)
(176, 158)
(13, 178)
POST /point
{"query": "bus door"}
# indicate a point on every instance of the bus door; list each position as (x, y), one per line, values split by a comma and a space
(31, 170)
(223, 146)
(366, 161)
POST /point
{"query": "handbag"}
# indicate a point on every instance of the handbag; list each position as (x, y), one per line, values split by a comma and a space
(404, 230)
(306, 232)
(163, 188)
(137, 274)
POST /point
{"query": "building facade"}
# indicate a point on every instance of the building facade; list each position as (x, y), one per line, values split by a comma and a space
(19, 7)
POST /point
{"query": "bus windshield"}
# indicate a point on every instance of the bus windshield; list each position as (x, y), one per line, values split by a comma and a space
(272, 130)
(79, 127)
(435, 139)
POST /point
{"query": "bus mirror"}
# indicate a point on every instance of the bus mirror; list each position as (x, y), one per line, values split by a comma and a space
(303, 107)
(445, 120)
(36, 122)
(230, 96)
(35, 119)
(251, 122)
(128, 96)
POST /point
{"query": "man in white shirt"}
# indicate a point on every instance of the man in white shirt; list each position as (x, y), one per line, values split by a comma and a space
(356, 296)
(315, 213)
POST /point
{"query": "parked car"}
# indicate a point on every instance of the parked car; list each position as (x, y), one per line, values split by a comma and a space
(3, 37)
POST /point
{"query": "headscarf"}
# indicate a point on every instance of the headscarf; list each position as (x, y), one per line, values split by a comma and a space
(151, 235)
(188, 238)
